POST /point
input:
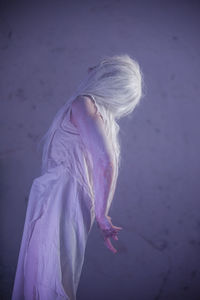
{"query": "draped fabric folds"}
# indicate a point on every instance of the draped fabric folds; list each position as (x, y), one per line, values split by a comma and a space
(59, 217)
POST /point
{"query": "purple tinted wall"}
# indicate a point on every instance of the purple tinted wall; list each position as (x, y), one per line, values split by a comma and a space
(45, 50)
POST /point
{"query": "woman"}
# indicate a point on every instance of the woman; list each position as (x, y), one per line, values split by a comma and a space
(80, 162)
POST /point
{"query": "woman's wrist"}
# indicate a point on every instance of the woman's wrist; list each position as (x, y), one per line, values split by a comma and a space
(100, 218)
(103, 221)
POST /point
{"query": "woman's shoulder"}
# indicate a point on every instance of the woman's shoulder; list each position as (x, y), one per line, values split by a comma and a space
(85, 104)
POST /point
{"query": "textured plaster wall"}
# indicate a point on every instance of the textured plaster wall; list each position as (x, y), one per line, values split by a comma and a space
(45, 50)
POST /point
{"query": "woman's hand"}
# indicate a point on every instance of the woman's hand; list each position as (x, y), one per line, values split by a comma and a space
(108, 230)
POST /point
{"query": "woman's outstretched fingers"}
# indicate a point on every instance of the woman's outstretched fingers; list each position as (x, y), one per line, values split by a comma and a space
(116, 227)
(115, 237)
(109, 245)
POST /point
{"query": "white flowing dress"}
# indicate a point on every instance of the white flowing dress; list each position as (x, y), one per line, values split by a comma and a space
(59, 217)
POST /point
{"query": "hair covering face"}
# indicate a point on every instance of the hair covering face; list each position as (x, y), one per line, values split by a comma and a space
(115, 85)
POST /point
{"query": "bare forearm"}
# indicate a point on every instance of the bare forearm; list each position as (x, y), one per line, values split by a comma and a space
(102, 179)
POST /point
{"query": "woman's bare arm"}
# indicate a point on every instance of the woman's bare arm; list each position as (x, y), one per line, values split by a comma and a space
(92, 131)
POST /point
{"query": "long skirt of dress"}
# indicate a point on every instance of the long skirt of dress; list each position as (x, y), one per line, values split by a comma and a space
(58, 220)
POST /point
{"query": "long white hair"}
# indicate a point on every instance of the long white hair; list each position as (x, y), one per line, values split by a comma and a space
(116, 86)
